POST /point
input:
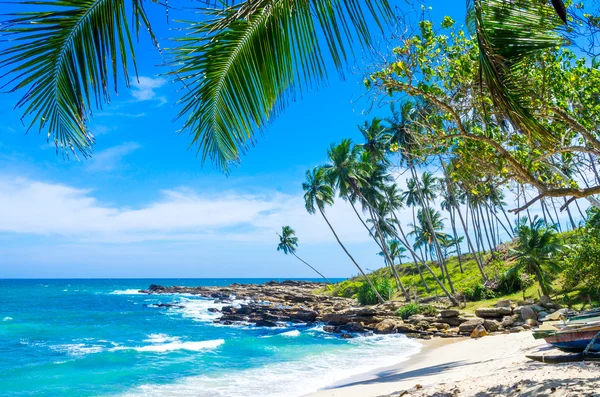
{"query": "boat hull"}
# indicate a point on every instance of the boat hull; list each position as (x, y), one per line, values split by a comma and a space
(575, 341)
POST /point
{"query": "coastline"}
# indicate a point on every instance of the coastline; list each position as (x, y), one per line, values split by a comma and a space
(493, 365)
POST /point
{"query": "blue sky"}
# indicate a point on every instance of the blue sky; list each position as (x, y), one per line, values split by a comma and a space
(143, 206)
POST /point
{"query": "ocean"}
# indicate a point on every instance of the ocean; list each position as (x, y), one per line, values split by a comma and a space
(98, 337)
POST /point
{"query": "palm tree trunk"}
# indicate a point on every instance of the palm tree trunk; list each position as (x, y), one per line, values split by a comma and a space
(453, 223)
(306, 263)
(485, 229)
(470, 244)
(430, 224)
(412, 253)
(570, 216)
(406, 245)
(511, 234)
(489, 219)
(386, 254)
(556, 214)
(381, 300)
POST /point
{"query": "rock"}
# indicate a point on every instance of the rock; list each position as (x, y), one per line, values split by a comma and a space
(545, 300)
(265, 323)
(531, 323)
(493, 312)
(331, 329)
(450, 313)
(515, 330)
(423, 325)
(526, 326)
(213, 310)
(404, 328)
(508, 321)
(542, 315)
(504, 303)
(387, 326)
(479, 332)
(527, 313)
(156, 288)
(347, 336)
(491, 325)
(352, 327)
(469, 326)
(440, 326)
(451, 321)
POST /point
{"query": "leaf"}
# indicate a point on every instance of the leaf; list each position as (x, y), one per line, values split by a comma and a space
(243, 65)
(509, 35)
(63, 54)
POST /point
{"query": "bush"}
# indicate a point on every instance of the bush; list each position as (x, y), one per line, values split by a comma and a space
(365, 294)
(414, 308)
(513, 281)
(478, 292)
(408, 310)
(347, 289)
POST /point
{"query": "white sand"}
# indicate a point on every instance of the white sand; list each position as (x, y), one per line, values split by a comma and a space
(490, 366)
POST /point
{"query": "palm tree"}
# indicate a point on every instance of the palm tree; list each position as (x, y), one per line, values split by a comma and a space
(509, 34)
(424, 234)
(377, 139)
(317, 195)
(288, 243)
(537, 246)
(239, 64)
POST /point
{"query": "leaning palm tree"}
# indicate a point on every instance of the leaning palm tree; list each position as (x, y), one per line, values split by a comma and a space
(288, 243)
(238, 64)
(537, 246)
(317, 195)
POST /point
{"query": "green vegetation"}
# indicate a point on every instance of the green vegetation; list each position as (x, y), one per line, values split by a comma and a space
(366, 296)
(414, 308)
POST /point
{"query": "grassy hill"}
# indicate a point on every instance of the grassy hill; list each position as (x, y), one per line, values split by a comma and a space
(467, 281)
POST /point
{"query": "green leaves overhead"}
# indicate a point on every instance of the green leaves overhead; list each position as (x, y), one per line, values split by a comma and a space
(509, 35)
(63, 53)
(244, 64)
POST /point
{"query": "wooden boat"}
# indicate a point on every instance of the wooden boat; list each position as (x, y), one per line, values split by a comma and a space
(565, 358)
(575, 339)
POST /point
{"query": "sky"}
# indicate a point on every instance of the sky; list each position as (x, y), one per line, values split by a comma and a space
(144, 206)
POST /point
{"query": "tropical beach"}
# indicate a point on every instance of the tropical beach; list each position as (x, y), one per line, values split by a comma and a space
(285, 198)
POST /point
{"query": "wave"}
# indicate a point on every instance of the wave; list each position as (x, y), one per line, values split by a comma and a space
(78, 349)
(160, 338)
(7, 319)
(192, 346)
(291, 334)
(295, 377)
(126, 292)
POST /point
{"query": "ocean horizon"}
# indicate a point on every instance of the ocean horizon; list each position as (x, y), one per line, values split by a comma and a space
(101, 337)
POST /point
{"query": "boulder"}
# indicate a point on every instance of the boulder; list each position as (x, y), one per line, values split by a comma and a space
(527, 313)
(352, 327)
(440, 326)
(531, 323)
(491, 325)
(387, 326)
(265, 323)
(423, 325)
(332, 329)
(468, 326)
(450, 313)
(508, 321)
(347, 336)
(515, 330)
(504, 303)
(404, 328)
(479, 332)
(493, 312)
(451, 321)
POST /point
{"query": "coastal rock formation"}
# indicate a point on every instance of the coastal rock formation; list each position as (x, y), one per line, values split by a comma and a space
(274, 304)
(493, 312)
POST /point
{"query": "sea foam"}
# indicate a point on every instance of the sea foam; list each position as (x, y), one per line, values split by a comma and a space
(192, 346)
(7, 319)
(126, 292)
(295, 377)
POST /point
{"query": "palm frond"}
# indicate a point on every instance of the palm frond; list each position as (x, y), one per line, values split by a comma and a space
(244, 64)
(64, 54)
(509, 34)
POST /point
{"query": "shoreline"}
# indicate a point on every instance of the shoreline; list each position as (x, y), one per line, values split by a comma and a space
(492, 365)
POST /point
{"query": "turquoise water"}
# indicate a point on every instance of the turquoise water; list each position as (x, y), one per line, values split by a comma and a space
(101, 338)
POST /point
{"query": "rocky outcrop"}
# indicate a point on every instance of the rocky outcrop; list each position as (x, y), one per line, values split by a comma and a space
(274, 304)
(493, 312)
(469, 326)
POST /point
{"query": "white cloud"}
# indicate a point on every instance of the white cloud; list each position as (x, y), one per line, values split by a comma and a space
(51, 209)
(144, 88)
(110, 159)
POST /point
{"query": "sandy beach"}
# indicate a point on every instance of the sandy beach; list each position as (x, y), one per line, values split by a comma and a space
(490, 366)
